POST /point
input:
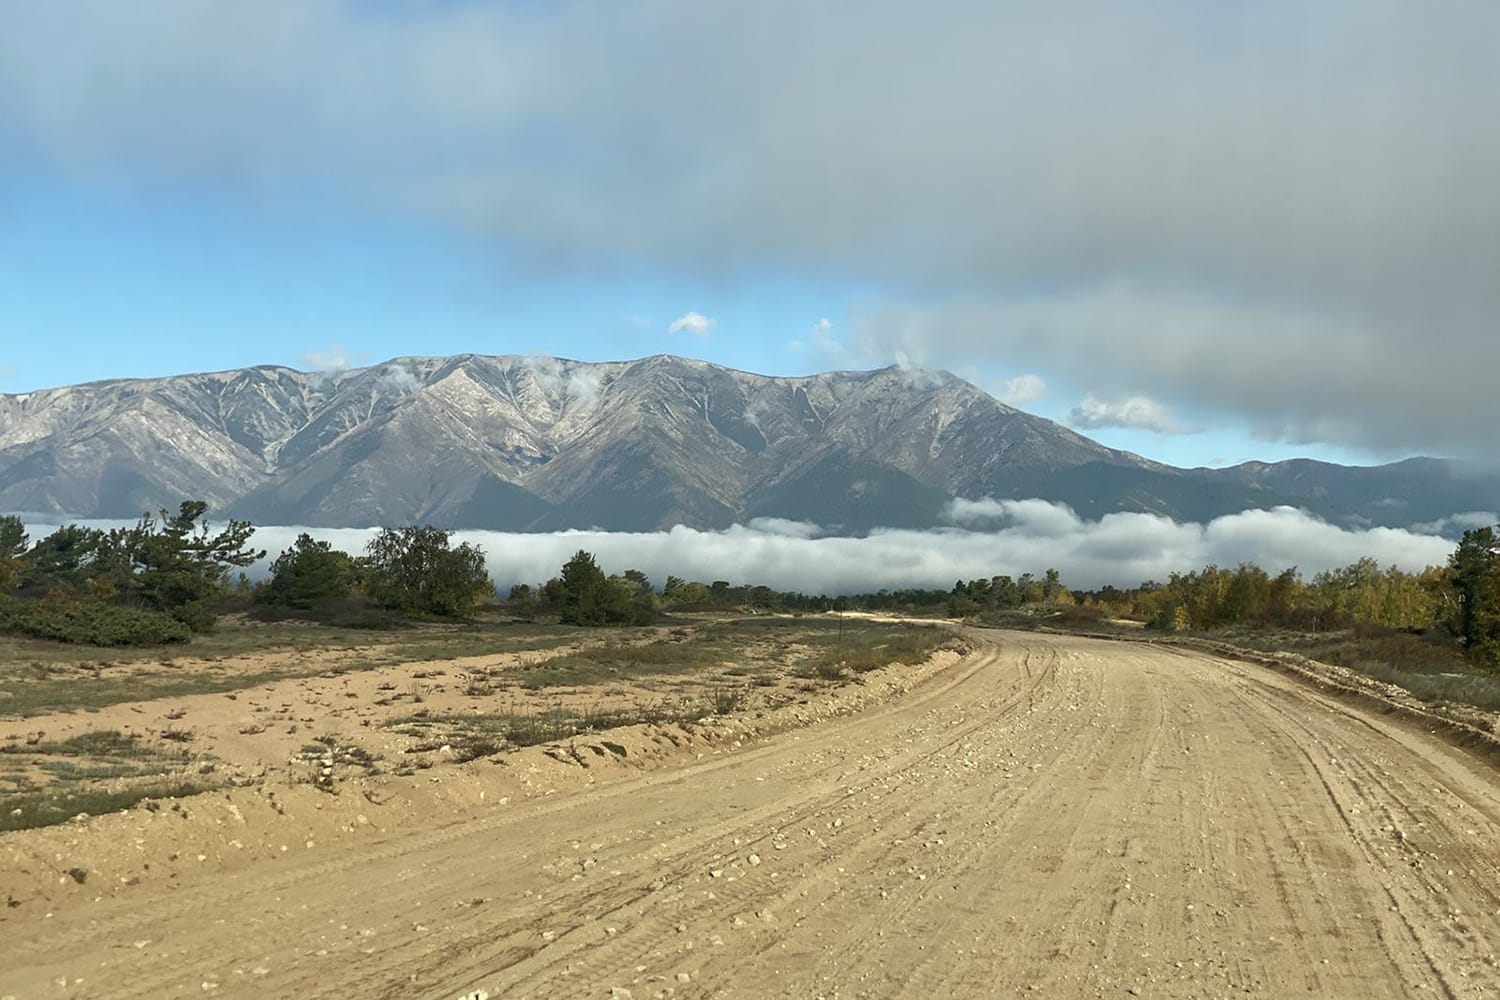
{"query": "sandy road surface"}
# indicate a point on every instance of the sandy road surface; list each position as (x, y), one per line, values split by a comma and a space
(1052, 816)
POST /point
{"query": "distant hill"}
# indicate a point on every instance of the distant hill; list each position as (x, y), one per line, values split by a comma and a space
(539, 444)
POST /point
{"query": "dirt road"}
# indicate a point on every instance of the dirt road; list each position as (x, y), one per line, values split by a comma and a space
(1052, 816)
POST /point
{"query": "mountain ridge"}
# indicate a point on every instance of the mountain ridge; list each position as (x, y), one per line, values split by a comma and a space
(538, 443)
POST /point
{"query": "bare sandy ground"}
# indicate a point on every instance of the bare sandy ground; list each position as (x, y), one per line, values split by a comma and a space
(1047, 816)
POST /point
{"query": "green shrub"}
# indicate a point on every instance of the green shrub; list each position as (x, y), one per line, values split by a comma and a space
(307, 574)
(90, 624)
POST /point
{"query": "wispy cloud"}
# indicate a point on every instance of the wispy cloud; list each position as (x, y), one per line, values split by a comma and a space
(1022, 389)
(1133, 412)
(1458, 523)
(400, 378)
(329, 360)
(784, 527)
(694, 323)
(582, 384)
(827, 350)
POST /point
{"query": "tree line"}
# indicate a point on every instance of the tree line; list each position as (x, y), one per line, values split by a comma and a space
(170, 575)
(1459, 600)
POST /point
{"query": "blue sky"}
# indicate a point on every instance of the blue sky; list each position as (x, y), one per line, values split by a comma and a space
(1275, 239)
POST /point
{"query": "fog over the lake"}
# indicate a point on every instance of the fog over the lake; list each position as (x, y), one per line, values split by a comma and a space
(997, 536)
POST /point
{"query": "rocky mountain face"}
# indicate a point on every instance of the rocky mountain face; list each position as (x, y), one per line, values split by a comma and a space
(541, 443)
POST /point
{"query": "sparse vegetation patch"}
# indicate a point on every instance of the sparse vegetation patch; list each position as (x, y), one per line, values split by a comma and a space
(44, 782)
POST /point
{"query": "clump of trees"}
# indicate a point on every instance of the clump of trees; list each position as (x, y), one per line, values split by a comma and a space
(168, 576)
(588, 597)
(415, 570)
(1004, 593)
(157, 581)
(583, 595)
(1218, 597)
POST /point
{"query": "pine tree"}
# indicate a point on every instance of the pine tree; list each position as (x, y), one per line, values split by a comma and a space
(1474, 575)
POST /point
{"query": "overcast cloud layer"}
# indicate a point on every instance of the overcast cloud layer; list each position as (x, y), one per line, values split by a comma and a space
(1283, 212)
(1021, 536)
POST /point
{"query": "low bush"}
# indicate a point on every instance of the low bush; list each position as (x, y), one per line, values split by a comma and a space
(344, 612)
(91, 624)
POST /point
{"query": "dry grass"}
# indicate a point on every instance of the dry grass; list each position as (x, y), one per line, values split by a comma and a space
(1431, 669)
(869, 649)
(607, 678)
(38, 677)
(469, 737)
(97, 772)
(615, 661)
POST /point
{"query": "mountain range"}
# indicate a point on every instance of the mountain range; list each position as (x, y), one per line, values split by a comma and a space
(537, 444)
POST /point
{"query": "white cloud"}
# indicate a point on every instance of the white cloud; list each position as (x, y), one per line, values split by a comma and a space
(961, 511)
(581, 383)
(1022, 389)
(1120, 549)
(330, 360)
(1135, 412)
(916, 375)
(1026, 536)
(785, 527)
(828, 350)
(584, 385)
(1458, 523)
(694, 323)
(400, 378)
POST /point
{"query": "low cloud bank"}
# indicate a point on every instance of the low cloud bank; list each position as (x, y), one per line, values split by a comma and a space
(997, 536)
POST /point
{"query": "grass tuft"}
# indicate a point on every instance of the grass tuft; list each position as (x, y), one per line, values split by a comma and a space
(30, 810)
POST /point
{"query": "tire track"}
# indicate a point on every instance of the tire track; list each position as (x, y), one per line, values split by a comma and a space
(1052, 814)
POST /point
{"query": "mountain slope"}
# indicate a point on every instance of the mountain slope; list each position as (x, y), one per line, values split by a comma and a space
(544, 443)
